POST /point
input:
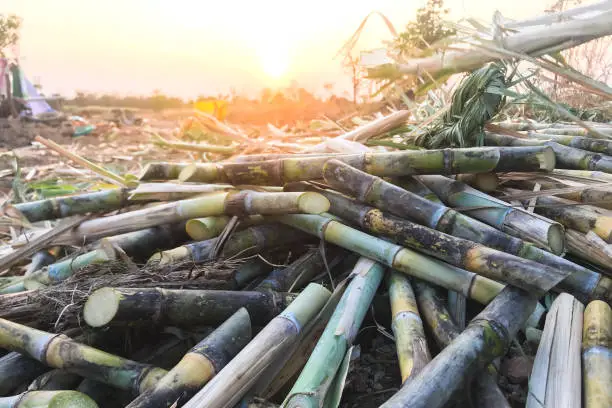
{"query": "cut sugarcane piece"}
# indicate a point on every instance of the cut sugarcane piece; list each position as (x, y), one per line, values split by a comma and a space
(410, 341)
(555, 379)
(17, 369)
(235, 379)
(241, 203)
(499, 214)
(597, 355)
(311, 387)
(446, 161)
(59, 351)
(590, 247)
(200, 229)
(486, 182)
(180, 307)
(579, 142)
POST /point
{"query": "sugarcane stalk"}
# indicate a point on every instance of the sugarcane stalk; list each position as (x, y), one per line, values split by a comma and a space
(408, 162)
(405, 260)
(487, 336)
(579, 142)
(486, 182)
(311, 387)
(55, 380)
(59, 351)
(576, 131)
(299, 273)
(410, 341)
(62, 270)
(580, 218)
(499, 214)
(233, 381)
(555, 379)
(200, 229)
(193, 147)
(483, 260)
(567, 157)
(180, 307)
(61, 207)
(444, 331)
(590, 247)
(174, 191)
(48, 399)
(161, 171)
(397, 201)
(17, 369)
(42, 258)
(247, 242)
(241, 203)
(597, 355)
(283, 374)
(597, 175)
(137, 244)
(200, 364)
(250, 270)
(275, 156)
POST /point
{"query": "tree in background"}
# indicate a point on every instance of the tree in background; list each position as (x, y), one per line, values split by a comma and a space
(427, 29)
(9, 31)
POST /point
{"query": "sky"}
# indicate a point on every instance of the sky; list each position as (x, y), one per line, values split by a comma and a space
(187, 48)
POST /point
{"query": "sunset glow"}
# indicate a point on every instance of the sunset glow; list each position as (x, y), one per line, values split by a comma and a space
(274, 62)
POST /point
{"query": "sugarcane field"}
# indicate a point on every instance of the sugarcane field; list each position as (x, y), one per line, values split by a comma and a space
(322, 205)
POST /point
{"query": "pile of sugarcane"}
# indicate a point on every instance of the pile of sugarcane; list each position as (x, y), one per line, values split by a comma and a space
(252, 282)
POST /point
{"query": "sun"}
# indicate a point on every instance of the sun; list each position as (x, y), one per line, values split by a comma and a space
(274, 62)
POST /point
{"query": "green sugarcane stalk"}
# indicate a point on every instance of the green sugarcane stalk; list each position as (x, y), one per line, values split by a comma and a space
(17, 369)
(579, 217)
(567, 157)
(579, 142)
(59, 351)
(48, 399)
(487, 337)
(312, 386)
(444, 331)
(445, 161)
(299, 273)
(405, 260)
(591, 248)
(161, 171)
(486, 182)
(61, 207)
(247, 242)
(233, 381)
(582, 282)
(597, 355)
(180, 307)
(499, 214)
(600, 196)
(491, 263)
(597, 175)
(55, 380)
(200, 364)
(137, 244)
(229, 203)
(410, 341)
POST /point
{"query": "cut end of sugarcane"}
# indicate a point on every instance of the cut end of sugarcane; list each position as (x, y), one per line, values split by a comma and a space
(556, 239)
(175, 255)
(313, 203)
(548, 160)
(201, 229)
(187, 173)
(101, 307)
